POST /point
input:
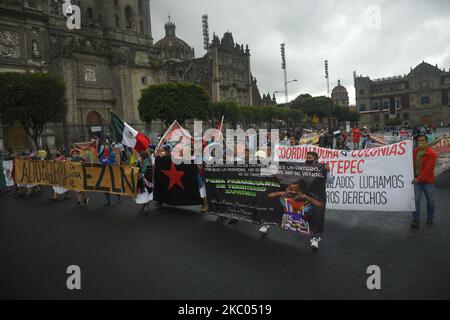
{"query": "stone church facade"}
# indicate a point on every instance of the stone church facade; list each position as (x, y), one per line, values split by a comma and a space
(108, 61)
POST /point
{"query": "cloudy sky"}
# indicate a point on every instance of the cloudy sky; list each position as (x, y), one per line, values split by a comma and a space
(378, 38)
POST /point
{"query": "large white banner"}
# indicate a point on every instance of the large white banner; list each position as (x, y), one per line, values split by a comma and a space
(377, 179)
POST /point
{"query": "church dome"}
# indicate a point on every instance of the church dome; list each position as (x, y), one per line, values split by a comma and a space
(340, 94)
(173, 48)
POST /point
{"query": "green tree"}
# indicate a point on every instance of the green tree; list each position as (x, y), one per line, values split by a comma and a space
(267, 114)
(320, 106)
(32, 100)
(231, 111)
(173, 101)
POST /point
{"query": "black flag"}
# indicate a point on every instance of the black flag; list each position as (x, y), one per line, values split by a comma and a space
(176, 184)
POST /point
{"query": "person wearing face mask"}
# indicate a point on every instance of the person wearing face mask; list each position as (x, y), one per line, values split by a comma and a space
(312, 158)
(424, 163)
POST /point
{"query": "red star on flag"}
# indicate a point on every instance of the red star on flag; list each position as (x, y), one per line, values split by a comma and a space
(174, 177)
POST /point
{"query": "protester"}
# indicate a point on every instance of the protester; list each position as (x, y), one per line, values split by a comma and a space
(356, 137)
(345, 136)
(430, 136)
(312, 158)
(82, 198)
(340, 143)
(283, 139)
(330, 139)
(322, 139)
(366, 138)
(57, 190)
(415, 134)
(293, 141)
(145, 182)
(239, 148)
(424, 165)
(32, 189)
(108, 157)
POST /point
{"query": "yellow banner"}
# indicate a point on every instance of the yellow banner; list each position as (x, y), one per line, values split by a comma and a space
(310, 140)
(78, 176)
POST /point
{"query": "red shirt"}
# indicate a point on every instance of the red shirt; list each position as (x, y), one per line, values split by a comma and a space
(427, 164)
(356, 134)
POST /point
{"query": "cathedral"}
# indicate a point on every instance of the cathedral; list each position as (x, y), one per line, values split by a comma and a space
(109, 60)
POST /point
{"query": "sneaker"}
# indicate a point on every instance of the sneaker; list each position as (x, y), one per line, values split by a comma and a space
(429, 222)
(315, 243)
(415, 224)
(264, 229)
(86, 201)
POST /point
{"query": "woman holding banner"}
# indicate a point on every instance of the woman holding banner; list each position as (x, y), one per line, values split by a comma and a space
(107, 157)
(145, 182)
(82, 198)
(57, 190)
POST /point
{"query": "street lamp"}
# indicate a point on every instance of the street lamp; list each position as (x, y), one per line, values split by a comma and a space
(285, 91)
(283, 66)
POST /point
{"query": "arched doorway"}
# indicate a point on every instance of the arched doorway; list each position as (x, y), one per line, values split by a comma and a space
(94, 119)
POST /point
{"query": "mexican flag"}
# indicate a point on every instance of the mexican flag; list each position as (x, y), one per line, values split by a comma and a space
(122, 132)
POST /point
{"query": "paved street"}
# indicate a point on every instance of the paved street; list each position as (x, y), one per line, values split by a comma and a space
(176, 253)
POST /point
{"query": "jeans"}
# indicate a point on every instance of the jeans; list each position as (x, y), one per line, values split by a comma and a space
(319, 221)
(428, 189)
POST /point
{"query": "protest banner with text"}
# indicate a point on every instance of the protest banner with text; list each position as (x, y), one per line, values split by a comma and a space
(289, 195)
(377, 179)
(78, 176)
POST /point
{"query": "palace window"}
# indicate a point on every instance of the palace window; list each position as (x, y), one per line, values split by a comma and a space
(375, 105)
(447, 81)
(362, 107)
(385, 104)
(425, 100)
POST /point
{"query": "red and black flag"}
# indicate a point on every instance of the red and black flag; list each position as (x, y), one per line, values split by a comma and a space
(176, 184)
